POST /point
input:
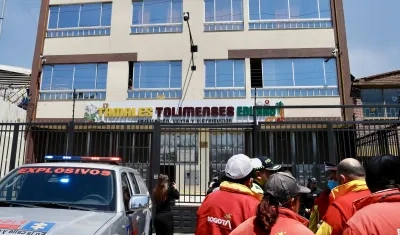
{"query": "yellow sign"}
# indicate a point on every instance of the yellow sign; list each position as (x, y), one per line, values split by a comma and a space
(126, 112)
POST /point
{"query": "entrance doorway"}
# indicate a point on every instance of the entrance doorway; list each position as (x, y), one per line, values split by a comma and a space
(169, 170)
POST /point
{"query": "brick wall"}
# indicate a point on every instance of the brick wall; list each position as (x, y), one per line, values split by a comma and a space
(358, 112)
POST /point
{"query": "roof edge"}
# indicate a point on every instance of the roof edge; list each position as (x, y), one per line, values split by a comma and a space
(14, 69)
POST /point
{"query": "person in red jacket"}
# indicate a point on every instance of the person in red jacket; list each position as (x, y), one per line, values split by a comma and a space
(351, 175)
(277, 212)
(224, 209)
(378, 213)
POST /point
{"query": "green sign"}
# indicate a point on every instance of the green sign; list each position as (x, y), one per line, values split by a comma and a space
(262, 111)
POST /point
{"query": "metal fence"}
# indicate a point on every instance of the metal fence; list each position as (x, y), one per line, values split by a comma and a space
(192, 153)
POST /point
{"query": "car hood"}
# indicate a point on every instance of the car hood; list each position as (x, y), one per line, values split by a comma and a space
(53, 221)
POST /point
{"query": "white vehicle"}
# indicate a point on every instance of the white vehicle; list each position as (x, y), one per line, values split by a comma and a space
(73, 195)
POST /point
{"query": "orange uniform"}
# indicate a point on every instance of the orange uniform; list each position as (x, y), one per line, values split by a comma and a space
(288, 223)
(376, 214)
(341, 209)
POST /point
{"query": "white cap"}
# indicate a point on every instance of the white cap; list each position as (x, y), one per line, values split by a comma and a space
(256, 163)
(238, 167)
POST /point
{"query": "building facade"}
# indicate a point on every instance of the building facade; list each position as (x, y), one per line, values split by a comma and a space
(380, 89)
(130, 61)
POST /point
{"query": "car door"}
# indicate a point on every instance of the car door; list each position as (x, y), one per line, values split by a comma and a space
(144, 190)
(141, 215)
(127, 192)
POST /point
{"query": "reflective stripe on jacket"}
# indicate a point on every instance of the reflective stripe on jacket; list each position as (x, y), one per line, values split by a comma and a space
(378, 213)
(341, 208)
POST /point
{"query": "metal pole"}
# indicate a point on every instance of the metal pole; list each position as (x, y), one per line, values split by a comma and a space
(3, 9)
(255, 152)
(73, 105)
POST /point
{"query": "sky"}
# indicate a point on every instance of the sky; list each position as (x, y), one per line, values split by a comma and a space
(372, 34)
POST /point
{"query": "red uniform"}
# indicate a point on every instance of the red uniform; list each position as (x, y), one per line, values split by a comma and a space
(288, 223)
(378, 213)
(341, 209)
(223, 210)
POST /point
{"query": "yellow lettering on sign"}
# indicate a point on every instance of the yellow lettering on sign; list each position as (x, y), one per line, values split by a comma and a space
(109, 112)
(101, 111)
(126, 112)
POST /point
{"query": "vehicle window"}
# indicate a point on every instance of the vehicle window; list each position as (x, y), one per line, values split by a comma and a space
(84, 187)
(142, 185)
(126, 190)
(134, 183)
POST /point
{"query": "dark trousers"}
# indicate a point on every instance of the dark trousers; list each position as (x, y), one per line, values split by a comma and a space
(164, 223)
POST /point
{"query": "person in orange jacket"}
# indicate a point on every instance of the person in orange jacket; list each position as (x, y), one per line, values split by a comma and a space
(277, 212)
(379, 212)
(351, 175)
(224, 209)
(321, 203)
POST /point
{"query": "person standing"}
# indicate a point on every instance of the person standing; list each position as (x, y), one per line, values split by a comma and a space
(322, 203)
(379, 212)
(163, 194)
(234, 202)
(351, 175)
(263, 168)
(309, 198)
(278, 211)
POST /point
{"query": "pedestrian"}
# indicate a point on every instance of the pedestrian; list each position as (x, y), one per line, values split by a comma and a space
(234, 202)
(352, 186)
(309, 198)
(277, 212)
(321, 203)
(377, 213)
(263, 168)
(164, 194)
(214, 184)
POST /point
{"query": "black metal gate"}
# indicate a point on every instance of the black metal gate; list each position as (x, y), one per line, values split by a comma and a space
(192, 153)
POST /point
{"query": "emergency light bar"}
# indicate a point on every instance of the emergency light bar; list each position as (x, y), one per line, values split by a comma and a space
(83, 159)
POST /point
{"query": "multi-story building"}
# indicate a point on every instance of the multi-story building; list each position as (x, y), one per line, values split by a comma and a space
(131, 61)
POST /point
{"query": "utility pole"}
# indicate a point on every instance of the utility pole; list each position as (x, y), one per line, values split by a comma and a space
(3, 9)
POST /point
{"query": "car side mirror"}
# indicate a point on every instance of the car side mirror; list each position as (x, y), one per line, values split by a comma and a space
(138, 202)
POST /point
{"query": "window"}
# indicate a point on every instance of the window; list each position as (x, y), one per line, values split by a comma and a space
(77, 20)
(126, 190)
(382, 97)
(179, 147)
(134, 183)
(153, 80)
(298, 77)
(157, 16)
(282, 14)
(224, 145)
(224, 79)
(60, 80)
(223, 15)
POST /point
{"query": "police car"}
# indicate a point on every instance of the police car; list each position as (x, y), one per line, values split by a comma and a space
(74, 195)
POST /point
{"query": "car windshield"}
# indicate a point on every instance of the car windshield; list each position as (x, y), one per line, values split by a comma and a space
(79, 188)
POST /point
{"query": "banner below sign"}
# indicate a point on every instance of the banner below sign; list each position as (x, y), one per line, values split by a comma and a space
(193, 112)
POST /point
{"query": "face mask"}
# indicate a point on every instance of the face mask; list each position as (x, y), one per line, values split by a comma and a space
(332, 184)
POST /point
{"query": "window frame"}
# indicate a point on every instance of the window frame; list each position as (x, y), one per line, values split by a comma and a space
(332, 89)
(69, 92)
(165, 93)
(230, 25)
(273, 23)
(79, 30)
(241, 89)
(385, 110)
(157, 27)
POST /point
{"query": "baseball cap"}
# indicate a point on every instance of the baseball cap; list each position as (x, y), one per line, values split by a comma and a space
(383, 171)
(265, 163)
(330, 166)
(238, 167)
(283, 187)
(312, 180)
